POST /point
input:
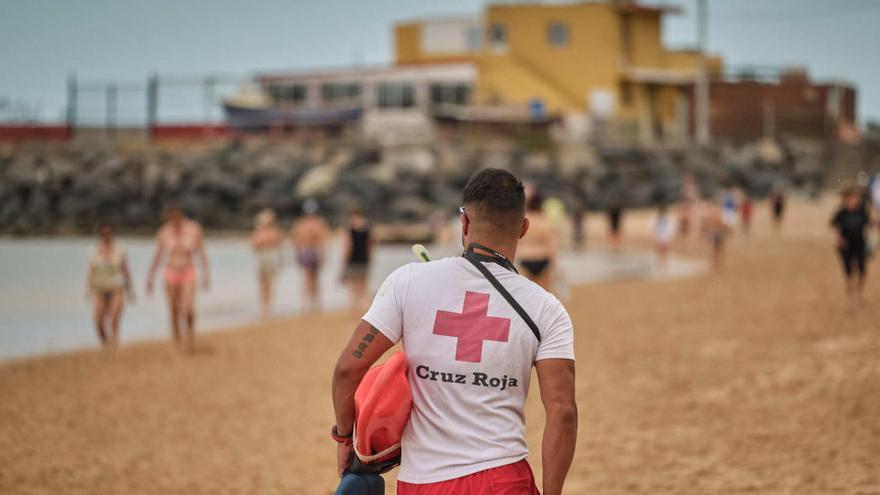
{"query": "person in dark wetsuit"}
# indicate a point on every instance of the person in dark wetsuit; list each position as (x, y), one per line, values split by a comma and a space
(357, 249)
(850, 223)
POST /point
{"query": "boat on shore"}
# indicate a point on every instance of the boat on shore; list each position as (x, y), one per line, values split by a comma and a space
(252, 110)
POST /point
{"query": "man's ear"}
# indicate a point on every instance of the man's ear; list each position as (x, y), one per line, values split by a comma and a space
(465, 223)
(525, 227)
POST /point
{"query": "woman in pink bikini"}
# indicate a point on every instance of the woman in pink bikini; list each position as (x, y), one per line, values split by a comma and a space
(179, 240)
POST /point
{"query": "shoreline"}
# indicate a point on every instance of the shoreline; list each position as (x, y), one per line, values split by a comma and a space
(690, 268)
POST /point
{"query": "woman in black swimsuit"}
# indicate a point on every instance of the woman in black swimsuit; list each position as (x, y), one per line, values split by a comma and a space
(357, 249)
(537, 250)
(850, 222)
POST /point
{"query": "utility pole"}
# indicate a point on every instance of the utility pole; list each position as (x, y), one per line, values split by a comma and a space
(71, 103)
(152, 104)
(111, 93)
(702, 86)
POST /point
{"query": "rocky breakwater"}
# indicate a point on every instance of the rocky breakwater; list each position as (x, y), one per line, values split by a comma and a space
(74, 187)
(71, 188)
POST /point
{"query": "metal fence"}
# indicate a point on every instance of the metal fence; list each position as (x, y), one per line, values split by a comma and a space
(159, 99)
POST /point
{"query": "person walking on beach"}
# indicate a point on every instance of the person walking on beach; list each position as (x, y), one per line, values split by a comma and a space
(728, 209)
(665, 230)
(614, 209)
(777, 205)
(874, 189)
(690, 195)
(850, 223)
(470, 346)
(745, 213)
(537, 249)
(178, 242)
(109, 281)
(357, 253)
(309, 235)
(578, 228)
(714, 230)
(266, 242)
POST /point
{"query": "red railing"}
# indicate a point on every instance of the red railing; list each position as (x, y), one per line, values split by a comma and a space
(186, 132)
(24, 132)
(191, 131)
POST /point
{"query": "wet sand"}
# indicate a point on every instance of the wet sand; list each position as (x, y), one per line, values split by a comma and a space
(760, 379)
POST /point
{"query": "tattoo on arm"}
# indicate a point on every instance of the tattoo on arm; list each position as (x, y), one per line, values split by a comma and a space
(365, 342)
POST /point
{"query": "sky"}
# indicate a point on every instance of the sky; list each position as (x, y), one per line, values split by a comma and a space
(42, 41)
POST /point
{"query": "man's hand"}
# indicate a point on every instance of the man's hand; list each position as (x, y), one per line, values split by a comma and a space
(343, 458)
(556, 379)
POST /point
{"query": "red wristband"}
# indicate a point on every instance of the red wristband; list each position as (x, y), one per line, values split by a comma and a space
(344, 440)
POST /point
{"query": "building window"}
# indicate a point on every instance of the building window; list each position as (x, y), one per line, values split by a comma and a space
(557, 34)
(498, 36)
(450, 93)
(287, 93)
(473, 38)
(340, 93)
(395, 95)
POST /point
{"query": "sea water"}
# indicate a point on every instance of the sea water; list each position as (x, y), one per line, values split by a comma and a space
(44, 308)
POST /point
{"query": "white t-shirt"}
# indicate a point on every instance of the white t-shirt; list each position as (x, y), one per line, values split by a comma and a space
(470, 359)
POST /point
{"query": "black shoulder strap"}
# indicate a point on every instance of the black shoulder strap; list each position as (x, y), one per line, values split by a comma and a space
(500, 288)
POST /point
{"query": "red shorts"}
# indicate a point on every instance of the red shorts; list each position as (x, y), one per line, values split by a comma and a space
(512, 479)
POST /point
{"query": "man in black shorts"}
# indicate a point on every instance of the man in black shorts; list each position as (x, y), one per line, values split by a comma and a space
(850, 223)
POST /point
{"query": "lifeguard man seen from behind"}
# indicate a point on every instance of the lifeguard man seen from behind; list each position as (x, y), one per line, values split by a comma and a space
(472, 328)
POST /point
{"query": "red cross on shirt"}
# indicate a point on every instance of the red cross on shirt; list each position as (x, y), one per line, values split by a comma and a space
(471, 327)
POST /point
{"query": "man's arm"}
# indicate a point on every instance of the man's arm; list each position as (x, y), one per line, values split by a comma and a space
(556, 380)
(363, 349)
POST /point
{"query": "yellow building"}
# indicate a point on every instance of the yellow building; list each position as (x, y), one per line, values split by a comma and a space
(603, 59)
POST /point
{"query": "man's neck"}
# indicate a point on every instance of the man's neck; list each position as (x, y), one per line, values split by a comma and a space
(507, 249)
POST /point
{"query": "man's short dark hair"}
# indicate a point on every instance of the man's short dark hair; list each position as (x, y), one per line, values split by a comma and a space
(498, 197)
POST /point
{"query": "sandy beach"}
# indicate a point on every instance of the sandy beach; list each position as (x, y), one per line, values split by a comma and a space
(760, 379)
